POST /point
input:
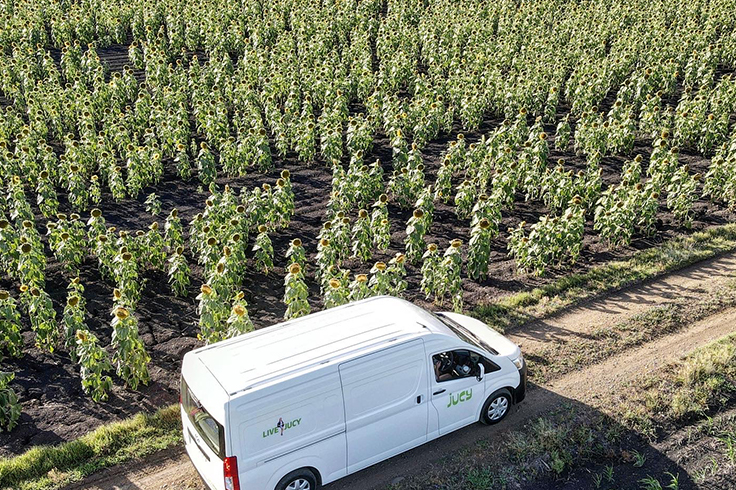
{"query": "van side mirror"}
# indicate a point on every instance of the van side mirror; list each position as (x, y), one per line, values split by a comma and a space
(481, 372)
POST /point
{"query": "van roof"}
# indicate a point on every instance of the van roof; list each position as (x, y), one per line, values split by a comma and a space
(341, 333)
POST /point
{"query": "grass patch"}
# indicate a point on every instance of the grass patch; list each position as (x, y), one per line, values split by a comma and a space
(557, 358)
(568, 437)
(50, 467)
(519, 308)
(685, 390)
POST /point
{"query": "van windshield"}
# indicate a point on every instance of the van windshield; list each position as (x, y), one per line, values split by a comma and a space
(208, 428)
(463, 333)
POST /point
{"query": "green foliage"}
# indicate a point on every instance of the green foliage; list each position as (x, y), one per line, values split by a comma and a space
(263, 250)
(43, 317)
(212, 310)
(179, 272)
(239, 321)
(415, 231)
(153, 204)
(380, 281)
(551, 240)
(93, 362)
(336, 293)
(130, 357)
(479, 248)
(359, 288)
(9, 405)
(296, 293)
(11, 341)
(361, 236)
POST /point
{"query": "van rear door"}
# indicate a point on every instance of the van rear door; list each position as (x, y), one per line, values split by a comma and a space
(386, 407)
(203, 422)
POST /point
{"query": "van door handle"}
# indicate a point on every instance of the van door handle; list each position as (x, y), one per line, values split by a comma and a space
(419, 399)
(438, 392)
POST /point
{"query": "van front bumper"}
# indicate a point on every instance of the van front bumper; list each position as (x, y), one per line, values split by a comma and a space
(520, 391)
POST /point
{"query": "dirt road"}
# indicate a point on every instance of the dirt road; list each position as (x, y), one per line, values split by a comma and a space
(171, 469)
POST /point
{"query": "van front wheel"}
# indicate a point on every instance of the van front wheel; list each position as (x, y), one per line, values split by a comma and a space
(298, 480)
(496, 407)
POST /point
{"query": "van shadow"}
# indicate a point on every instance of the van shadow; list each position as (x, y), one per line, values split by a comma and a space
(528, 446)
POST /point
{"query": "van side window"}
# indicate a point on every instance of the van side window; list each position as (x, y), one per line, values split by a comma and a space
(457, 364)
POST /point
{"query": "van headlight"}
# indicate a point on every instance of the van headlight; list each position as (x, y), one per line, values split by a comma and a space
(519, 361)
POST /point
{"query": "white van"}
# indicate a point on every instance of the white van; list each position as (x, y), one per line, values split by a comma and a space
(306, 402)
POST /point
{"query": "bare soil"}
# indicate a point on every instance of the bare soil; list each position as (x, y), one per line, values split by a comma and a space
(590, 389)
(54, 407)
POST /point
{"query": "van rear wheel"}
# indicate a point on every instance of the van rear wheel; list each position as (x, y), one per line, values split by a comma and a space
(298, 480)
(496, 407)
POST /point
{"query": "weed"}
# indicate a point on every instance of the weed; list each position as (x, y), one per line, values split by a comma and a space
(674, 481)
(639, 459)
(608, 474)
(650, 483)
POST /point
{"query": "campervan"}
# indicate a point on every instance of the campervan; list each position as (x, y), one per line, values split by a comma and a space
(306, 402)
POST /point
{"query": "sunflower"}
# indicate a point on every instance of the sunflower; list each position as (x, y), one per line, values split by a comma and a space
(121, 313)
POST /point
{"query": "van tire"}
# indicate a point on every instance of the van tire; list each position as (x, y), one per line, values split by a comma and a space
(496, 407)
(302, 479)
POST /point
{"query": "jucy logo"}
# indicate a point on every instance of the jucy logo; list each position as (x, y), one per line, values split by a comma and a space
(463, 396)
(281, 427)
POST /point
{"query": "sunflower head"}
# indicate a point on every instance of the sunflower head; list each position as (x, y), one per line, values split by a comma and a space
(239, 310)
(82, 335)
(363, 214)
(121, 313)
(96, 213)
(285, 174)
(361, 278)
(4, 295)
(261, 228)
(73, 301)
(484, 224)
(418, 214)
(296, 243)
(295, 269)
(26, 248)
(456, 243)
(381, 266)
(432, 247)
(335, 283)
(205, 289)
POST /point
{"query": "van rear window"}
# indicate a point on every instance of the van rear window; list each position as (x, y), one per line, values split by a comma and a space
(208, 428)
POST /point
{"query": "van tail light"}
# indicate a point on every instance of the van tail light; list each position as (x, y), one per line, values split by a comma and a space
(230, 467)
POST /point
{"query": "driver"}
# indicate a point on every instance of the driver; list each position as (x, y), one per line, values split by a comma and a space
(452, 365)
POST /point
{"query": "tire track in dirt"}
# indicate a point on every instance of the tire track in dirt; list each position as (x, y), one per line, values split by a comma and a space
(591, 385)
(583, 319)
